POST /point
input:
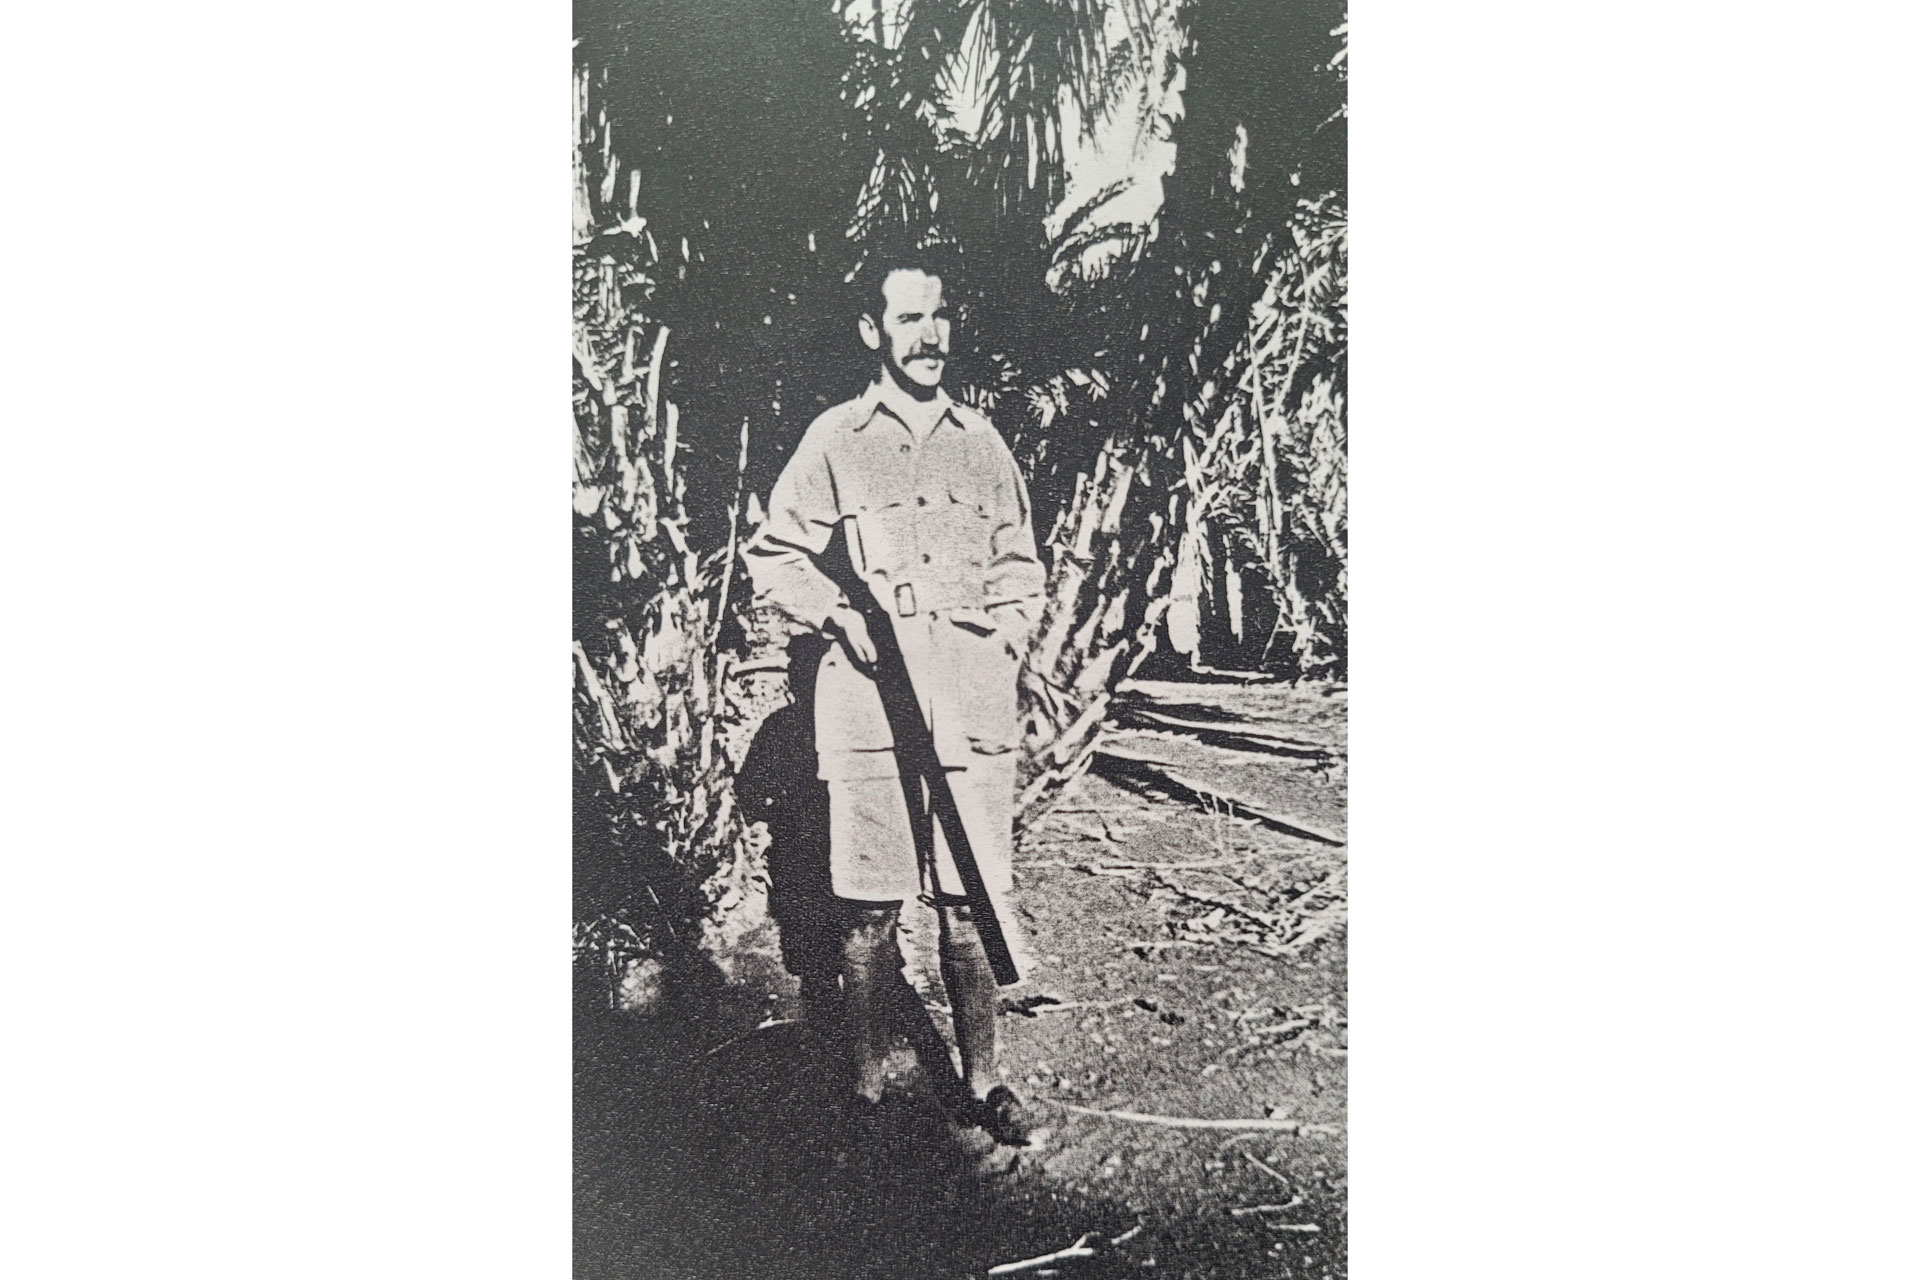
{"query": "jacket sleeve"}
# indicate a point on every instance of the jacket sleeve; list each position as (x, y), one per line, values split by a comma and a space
(799, 524)
(1016, 580)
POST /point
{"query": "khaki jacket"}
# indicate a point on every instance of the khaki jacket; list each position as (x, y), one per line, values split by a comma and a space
(944, 537)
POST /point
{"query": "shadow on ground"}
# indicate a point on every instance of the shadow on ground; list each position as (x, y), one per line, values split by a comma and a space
(694, 1160)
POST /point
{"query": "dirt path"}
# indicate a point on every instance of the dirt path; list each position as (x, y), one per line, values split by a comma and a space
(1168, 987)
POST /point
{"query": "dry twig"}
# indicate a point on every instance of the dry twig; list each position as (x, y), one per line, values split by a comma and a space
(768, 1025)
(1266, 1168)
(1189, 1122)
(1090, 1245)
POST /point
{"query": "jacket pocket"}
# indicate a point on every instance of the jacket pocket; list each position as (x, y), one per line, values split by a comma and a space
(985, 686)
(968, 528)
(848, 715)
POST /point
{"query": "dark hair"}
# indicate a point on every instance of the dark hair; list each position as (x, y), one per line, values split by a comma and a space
(936, 257)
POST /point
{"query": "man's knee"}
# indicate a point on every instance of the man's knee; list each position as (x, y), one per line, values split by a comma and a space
(956, 916)
(959, 939)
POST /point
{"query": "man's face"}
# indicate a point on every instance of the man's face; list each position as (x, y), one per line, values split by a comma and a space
(914, 329)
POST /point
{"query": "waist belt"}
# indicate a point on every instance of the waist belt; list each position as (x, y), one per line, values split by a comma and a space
(905, 600)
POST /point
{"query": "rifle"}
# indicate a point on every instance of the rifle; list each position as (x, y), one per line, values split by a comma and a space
(913, 743)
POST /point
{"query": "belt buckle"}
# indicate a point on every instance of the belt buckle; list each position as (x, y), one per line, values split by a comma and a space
(903, 600)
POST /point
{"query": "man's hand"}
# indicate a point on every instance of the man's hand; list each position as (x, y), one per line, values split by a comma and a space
(850, 627)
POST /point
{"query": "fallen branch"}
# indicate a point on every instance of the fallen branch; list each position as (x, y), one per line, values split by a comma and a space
(1261, 918)
(1223, 673)
(1090, 1245)
(1038, 1004)
(1233, 737)
(1076, 1250)
(1304, 1227)
(1247, 1210)
(1266, 1168)
(1080, 831)
(1281, 1028)
(1130, 868)
(1188, 1122)
(1176, 866)
(1117, 765)
(1079, 1004)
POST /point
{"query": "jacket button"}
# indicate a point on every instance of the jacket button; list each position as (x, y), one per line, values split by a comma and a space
(926, 559)
(906, 448)
(922, 499)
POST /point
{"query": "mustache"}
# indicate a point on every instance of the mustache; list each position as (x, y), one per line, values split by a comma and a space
(927, 353)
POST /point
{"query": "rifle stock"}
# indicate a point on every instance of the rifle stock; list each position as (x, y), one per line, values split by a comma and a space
(914, 746)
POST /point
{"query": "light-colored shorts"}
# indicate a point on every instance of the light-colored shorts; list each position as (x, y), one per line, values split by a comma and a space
(873, 854)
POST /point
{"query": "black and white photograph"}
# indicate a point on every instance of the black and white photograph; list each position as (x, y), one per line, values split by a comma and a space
(842, 640)
(960, 638)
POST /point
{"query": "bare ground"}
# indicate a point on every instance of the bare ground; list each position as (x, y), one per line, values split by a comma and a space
(1194, 969)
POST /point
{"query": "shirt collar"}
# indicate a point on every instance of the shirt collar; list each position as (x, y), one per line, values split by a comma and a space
(883, 395)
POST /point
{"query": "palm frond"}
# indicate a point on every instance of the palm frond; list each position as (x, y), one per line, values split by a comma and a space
(1045, 52)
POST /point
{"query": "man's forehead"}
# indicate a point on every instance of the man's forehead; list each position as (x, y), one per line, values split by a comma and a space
(906, 285)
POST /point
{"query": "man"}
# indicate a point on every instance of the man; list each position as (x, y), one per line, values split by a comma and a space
(940, 530)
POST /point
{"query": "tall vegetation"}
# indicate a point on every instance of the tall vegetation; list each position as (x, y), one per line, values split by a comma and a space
(1173, 386)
